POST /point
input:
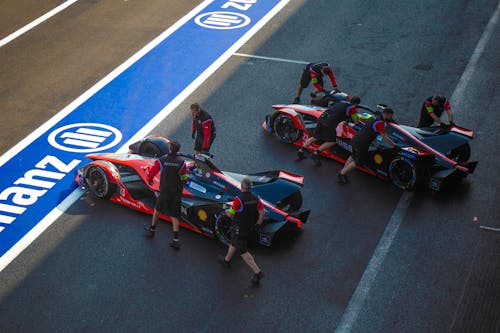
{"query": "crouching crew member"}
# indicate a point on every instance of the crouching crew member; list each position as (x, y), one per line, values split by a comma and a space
(362, 140)
(432, 109)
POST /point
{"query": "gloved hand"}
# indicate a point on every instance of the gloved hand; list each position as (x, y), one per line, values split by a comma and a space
(193, 134)
(150, 181)
(312, 94)
(444, 126)
(452, 123)
(336, 89)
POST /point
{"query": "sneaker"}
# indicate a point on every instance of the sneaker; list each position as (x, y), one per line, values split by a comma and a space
(342, 178)
(223, 262)
(316, 159)
(301, 155)
(257, 277)
(175, 244)
(150, 230)
(296, 100)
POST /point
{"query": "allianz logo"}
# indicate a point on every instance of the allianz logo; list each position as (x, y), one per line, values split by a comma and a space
(222, 20)
(85, 137)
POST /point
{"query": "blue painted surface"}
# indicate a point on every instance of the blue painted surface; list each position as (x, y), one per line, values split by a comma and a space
(127, 103)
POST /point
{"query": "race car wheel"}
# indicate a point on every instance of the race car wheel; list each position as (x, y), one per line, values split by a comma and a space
(223, 225)
(99, 183)
(285, 129)
(403, 173)
(291, 203)
(460, 154)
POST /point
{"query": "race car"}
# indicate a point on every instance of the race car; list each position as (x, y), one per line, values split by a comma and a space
(428, 157)
(208, 191)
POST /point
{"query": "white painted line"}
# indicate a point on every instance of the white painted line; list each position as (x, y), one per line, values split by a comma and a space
(358, 298)
(489, 228)
(363, 289)
(270, 58)
(36, 22)
(75, 195)
(458, 94)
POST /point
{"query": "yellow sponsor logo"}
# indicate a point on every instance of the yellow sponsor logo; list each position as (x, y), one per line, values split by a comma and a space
(378, 158)
(202, 215)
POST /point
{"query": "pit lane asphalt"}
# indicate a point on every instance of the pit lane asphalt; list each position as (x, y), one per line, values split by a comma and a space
(94, 271)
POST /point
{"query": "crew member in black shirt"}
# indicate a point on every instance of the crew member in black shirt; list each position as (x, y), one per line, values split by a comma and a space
(248, 210)
(172, 178)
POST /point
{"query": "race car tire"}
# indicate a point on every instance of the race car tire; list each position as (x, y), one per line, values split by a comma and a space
(291, 203)
(285, 129)
(403, 173)
(223, 225)
(99, 183)
(460, 154)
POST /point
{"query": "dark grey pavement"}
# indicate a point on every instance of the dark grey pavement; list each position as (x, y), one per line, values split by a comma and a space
(93, 270)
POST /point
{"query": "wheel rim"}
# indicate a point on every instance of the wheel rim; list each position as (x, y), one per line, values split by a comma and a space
(286, 129)
(403, 173)
(223, 226)
(98, 181)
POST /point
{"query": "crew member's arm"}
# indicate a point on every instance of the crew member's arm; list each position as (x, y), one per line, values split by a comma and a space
(262, 213)
(332, 78)
(447, 108)
(207, 133)
(380, 128)
(314, 80)
(183, 173)
(153, 171)
(352, 111)
(430, 111)
(236, 207)
(193, 128)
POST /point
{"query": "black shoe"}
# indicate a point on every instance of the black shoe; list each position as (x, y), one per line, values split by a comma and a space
(296, 100)
(223, 262)
(342, 178)
(150, 230)
(316, 159)
(175, 244)
(301, 155)
(257, 277)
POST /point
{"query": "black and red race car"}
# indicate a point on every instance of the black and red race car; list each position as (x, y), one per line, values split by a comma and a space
(431, 157)
(208, 191)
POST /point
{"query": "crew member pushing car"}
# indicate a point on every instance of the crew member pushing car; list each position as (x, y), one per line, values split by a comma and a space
(172, 178)
(362, 140)
(248, 211)
(432, 109)
(327, 126)
(314, 72)
(203, 129)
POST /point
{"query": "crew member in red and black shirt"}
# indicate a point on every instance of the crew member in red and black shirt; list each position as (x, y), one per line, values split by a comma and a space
(326, 129)
(313, 73)
(248, 211)
(203, 129)
(362, 140)
(172, 178)
(432, 109)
